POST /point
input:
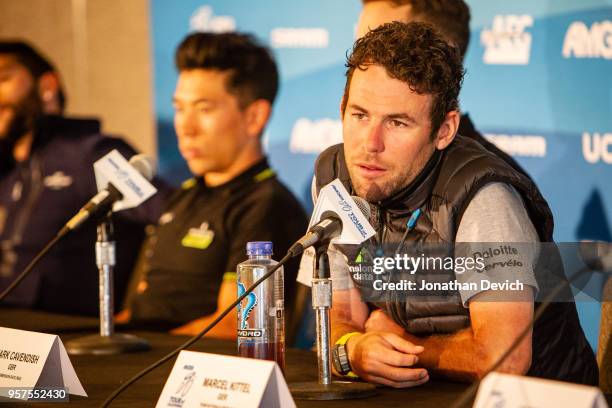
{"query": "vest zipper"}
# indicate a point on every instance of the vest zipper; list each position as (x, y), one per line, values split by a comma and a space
(23, 216)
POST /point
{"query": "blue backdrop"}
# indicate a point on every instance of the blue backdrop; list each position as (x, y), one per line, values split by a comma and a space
(538, 84)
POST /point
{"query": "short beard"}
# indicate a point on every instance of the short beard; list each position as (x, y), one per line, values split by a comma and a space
(26, 114)
(378, 192)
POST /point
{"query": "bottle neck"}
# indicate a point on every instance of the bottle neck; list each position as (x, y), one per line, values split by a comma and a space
(260, 256)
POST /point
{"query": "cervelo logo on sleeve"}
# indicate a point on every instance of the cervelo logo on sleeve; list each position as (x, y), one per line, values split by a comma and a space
(507, 42)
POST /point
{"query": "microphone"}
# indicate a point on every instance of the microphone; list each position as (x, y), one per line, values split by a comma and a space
(329, 227)
(117, 170)
(102, 202)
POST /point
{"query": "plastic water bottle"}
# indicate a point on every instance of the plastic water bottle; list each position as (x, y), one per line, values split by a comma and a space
(261, 314)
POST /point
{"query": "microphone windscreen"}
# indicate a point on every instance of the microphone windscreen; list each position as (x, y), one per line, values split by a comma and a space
(145, 165)
(363, 206)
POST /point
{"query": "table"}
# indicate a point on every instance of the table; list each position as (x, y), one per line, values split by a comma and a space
(101, 375)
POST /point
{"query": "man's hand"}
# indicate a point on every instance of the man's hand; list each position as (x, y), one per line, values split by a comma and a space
(385, 358)
(379, 321)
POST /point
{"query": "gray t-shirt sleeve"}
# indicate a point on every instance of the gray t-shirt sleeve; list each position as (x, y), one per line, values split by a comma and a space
(497, 226)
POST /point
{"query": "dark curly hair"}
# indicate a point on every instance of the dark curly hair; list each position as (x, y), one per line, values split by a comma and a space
(253, 71)
(416, 54)
(450, 17)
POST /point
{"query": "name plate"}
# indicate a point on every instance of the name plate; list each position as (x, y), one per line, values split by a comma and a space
(31, 360)
(213, 380)
(513, 391)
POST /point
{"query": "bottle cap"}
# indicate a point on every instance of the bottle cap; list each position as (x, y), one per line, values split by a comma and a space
(259, 248)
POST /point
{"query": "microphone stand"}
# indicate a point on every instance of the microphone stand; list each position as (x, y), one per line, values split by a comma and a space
(325, 388)
(107, 342)
(321, 303)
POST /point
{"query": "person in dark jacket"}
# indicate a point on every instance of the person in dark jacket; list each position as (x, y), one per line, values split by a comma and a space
(427, 184)
(46, 176)
(452, 19)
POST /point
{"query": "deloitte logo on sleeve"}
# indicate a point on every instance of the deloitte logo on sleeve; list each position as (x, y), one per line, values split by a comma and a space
(507, 42)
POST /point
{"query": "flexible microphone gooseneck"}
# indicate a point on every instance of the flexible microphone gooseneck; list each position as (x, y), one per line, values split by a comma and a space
(197, 337)
(329, 226)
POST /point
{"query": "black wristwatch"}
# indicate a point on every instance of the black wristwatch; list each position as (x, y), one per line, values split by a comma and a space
(340, 358)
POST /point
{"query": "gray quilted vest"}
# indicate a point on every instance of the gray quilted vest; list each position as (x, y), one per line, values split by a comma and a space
(442, 191)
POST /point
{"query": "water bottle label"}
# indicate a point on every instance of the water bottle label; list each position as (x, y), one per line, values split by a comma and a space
(245, 307)
(253, 333)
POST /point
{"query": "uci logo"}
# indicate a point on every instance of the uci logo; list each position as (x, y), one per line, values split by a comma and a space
(597, 147)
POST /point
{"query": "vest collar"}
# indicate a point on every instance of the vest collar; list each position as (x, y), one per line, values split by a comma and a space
(415, 194)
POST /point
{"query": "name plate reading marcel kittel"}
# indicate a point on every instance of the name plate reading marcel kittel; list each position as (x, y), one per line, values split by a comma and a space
(213, 380)
(35, 367)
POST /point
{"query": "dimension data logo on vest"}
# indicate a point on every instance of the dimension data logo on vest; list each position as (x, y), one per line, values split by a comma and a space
(507, 42)
(361, 268)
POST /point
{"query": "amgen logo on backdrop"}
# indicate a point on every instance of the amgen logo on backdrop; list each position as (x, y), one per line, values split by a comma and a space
(584, 42)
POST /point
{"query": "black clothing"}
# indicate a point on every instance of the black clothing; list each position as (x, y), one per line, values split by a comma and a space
(203, 234)
(467, 129)
(39, 195)
(443, 191)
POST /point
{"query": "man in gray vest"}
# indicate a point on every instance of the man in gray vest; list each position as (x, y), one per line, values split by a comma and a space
(402, 153)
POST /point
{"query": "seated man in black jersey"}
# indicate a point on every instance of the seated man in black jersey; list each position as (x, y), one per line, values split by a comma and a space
(223, 99)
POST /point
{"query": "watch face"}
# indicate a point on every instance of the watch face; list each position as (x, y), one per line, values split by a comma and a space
(338, 357)
(336, 360)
